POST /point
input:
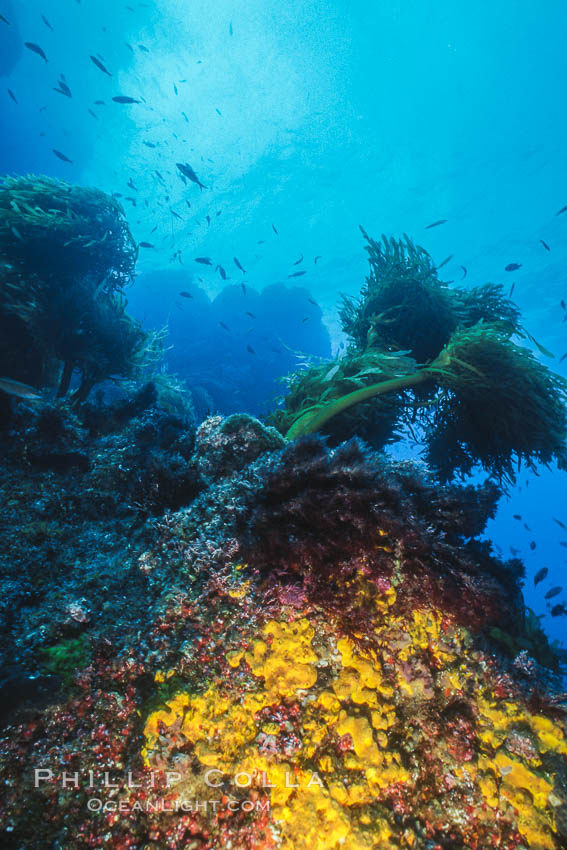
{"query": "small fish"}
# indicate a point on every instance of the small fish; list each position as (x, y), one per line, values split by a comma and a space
(63, 88)
(562, 210)
(306, 319)
(208, 220)
(230, 28)
(35, 48)
(436, 223)
(143, 48)
(297, 274)
(100, 66)
(297, 262)
(512, 290)
(563, 543)
(545, 245)
(219, 112)
(464, 272)
(558, 609)
(243, 285)
(318, 257)
(99, 103)
(46, 22)
(219, 212)
(5, 20)
(532, 545)
(174, 214)
(122, 98)
(188, 172)
(563, 304)
(188, 204)
(185, 294)
(12, 95)
(130, 183)
(175, 88)
(332, 372)
(248, 313)
(250, 349)
(8, 385)
(445, 261)
(238, 265)
(512, 267)
(205, 261)
(312, 302)
(61, 156)
(149, 144)
(526, 526)
(146, 245)
(184, 115)
(274, 229)
(540, 575)
(517, 516)
(225, 327)
(560, 524)
(555, 591)
(222, 272)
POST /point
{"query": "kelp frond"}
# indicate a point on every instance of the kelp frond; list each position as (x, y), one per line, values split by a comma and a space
(403, 304)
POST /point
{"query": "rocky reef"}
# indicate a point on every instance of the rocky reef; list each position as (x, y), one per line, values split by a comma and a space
(318, 669)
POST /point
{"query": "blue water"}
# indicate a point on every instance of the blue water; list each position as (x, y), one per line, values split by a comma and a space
(332, 113)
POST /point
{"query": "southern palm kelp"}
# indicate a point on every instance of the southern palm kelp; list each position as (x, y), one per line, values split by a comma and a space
(66, 255)
(443, 358)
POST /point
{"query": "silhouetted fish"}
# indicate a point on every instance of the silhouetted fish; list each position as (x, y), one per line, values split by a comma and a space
(562, 210)
(545, 245)
(297, 262)
(445, 261)
(238, 265)
(243, 285)
(46, 22)
(12, 95)
(122, 98)
(318, 257)
(559, 609)
(224, 327)
(188, 172)
(63, 88)
(100, 66)
(5, 20)
(248, 313)
(464, 272)
(250, 349)
(35, 48)
(312, 302)
(205, 261)
(185, 294)
(297, 274)
(555, 591)
(512, 267)
(274, 229)
(61, 156)
(436, 223)
(146, 245)
(560, 524)
(532, 545)
(540, 575)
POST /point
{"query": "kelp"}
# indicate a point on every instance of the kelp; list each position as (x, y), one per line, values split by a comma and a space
(503, 407)
(478, 396)
(403, 304)
(66, 256)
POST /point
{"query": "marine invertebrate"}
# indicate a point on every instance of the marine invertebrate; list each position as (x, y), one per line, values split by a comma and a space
(66, 255)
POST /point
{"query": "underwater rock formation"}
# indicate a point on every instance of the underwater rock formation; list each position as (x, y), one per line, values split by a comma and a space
(320, 675)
